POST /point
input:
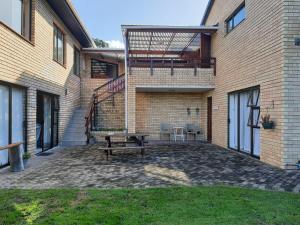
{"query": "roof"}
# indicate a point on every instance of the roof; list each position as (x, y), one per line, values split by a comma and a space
(207, 11)
(151, 40)
(114, 53)
(67, 13)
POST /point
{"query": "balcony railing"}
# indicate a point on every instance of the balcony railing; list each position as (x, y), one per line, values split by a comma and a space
(172, 63)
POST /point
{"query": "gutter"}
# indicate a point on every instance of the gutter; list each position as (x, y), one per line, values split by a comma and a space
(207, 11)
(85, 30)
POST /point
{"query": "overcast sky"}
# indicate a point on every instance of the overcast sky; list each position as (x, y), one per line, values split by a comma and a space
(103, 18)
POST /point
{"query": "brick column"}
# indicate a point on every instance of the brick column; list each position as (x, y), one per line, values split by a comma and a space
(131, 108)
(31, 119)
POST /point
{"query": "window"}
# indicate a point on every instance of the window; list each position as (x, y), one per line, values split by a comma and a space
(58, 46)
(236, 18)
(102, 69)
(76, 65)
(17, 15)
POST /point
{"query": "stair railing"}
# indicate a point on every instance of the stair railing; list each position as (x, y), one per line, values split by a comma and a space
(101, 94)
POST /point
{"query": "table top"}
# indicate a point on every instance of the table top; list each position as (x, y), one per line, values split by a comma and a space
(11, 146)
(112, 134)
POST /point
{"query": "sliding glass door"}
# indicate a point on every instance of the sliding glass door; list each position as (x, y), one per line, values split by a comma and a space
(4, 121)
(47, 121)
(12, 118)
(243, 128)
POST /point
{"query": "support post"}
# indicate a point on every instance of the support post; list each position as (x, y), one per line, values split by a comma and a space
(151, 66)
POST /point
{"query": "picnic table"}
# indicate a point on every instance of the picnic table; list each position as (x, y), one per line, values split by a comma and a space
(130, 138)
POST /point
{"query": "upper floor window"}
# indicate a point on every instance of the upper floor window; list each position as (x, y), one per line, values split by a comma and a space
(236, 18)
(58, 45)
(100, 69)
(76, 61)
(16, 14)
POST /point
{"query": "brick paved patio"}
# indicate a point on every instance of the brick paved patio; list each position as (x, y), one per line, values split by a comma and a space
(163, 165)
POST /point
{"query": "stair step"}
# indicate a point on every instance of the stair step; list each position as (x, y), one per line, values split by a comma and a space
(74, 134)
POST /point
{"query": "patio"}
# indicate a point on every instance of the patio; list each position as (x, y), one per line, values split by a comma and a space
(163, 165)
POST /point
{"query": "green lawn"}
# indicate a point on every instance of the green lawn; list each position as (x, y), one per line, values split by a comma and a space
(181, 205)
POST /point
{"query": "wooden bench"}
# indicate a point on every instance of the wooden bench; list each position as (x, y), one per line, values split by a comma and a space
(108, 150)
(15, 157)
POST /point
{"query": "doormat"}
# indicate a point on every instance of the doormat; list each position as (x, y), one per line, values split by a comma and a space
(45, 154)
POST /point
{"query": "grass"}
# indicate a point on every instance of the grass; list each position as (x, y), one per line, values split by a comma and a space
(164, 206)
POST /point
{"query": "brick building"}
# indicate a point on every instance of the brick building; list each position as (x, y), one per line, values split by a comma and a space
(221, 76)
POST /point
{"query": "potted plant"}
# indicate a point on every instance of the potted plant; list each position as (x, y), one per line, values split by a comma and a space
(26, 157)
(266, 122)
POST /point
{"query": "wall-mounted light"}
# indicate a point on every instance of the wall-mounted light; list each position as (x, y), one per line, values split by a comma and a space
(197, 111)
(188, 110)
(66, 92)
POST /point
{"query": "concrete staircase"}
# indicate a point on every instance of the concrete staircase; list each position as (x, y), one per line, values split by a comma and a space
(75, 132)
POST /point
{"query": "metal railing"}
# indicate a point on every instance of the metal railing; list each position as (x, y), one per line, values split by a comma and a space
(101, 94)
(172, 63)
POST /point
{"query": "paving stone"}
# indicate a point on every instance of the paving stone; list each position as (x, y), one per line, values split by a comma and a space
(163, 165)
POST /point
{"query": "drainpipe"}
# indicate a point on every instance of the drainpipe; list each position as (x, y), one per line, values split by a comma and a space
(126, 80)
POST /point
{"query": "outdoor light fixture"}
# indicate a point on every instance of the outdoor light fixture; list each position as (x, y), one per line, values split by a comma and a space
(66, 92)
(197, 111)
(297, 41)
(188, 111)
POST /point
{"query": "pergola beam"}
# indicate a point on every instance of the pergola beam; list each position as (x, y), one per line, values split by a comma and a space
(169, 29)
(154, 52)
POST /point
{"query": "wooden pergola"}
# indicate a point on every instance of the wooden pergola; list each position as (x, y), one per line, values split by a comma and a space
(168, 46)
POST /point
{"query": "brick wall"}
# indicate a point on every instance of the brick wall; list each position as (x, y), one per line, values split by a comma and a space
(111, 112)
(140, 118)
(152, 109)
(291, 81)
(31, 65)
(88, 84)
(250, 55)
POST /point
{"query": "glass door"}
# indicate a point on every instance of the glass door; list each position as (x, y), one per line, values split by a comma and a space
(18, 115)
(47, 121)
(243, 127)
(245, 131)
(55, 111)
(12, 118)
(4, 123)
(233, 121)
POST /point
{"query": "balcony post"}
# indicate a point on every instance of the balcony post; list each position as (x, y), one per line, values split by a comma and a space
(172, 67)
(151, 67)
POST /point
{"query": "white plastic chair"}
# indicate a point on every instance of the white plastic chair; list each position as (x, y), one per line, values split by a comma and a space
(178, 133)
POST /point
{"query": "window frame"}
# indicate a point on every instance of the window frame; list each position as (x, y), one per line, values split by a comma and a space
(76, 68)
(95, 76)
(252, 126)
(230, 20)
(31, 31)
(55, 44)
(10, 87)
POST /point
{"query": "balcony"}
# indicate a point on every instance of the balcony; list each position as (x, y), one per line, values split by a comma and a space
(175, 59)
